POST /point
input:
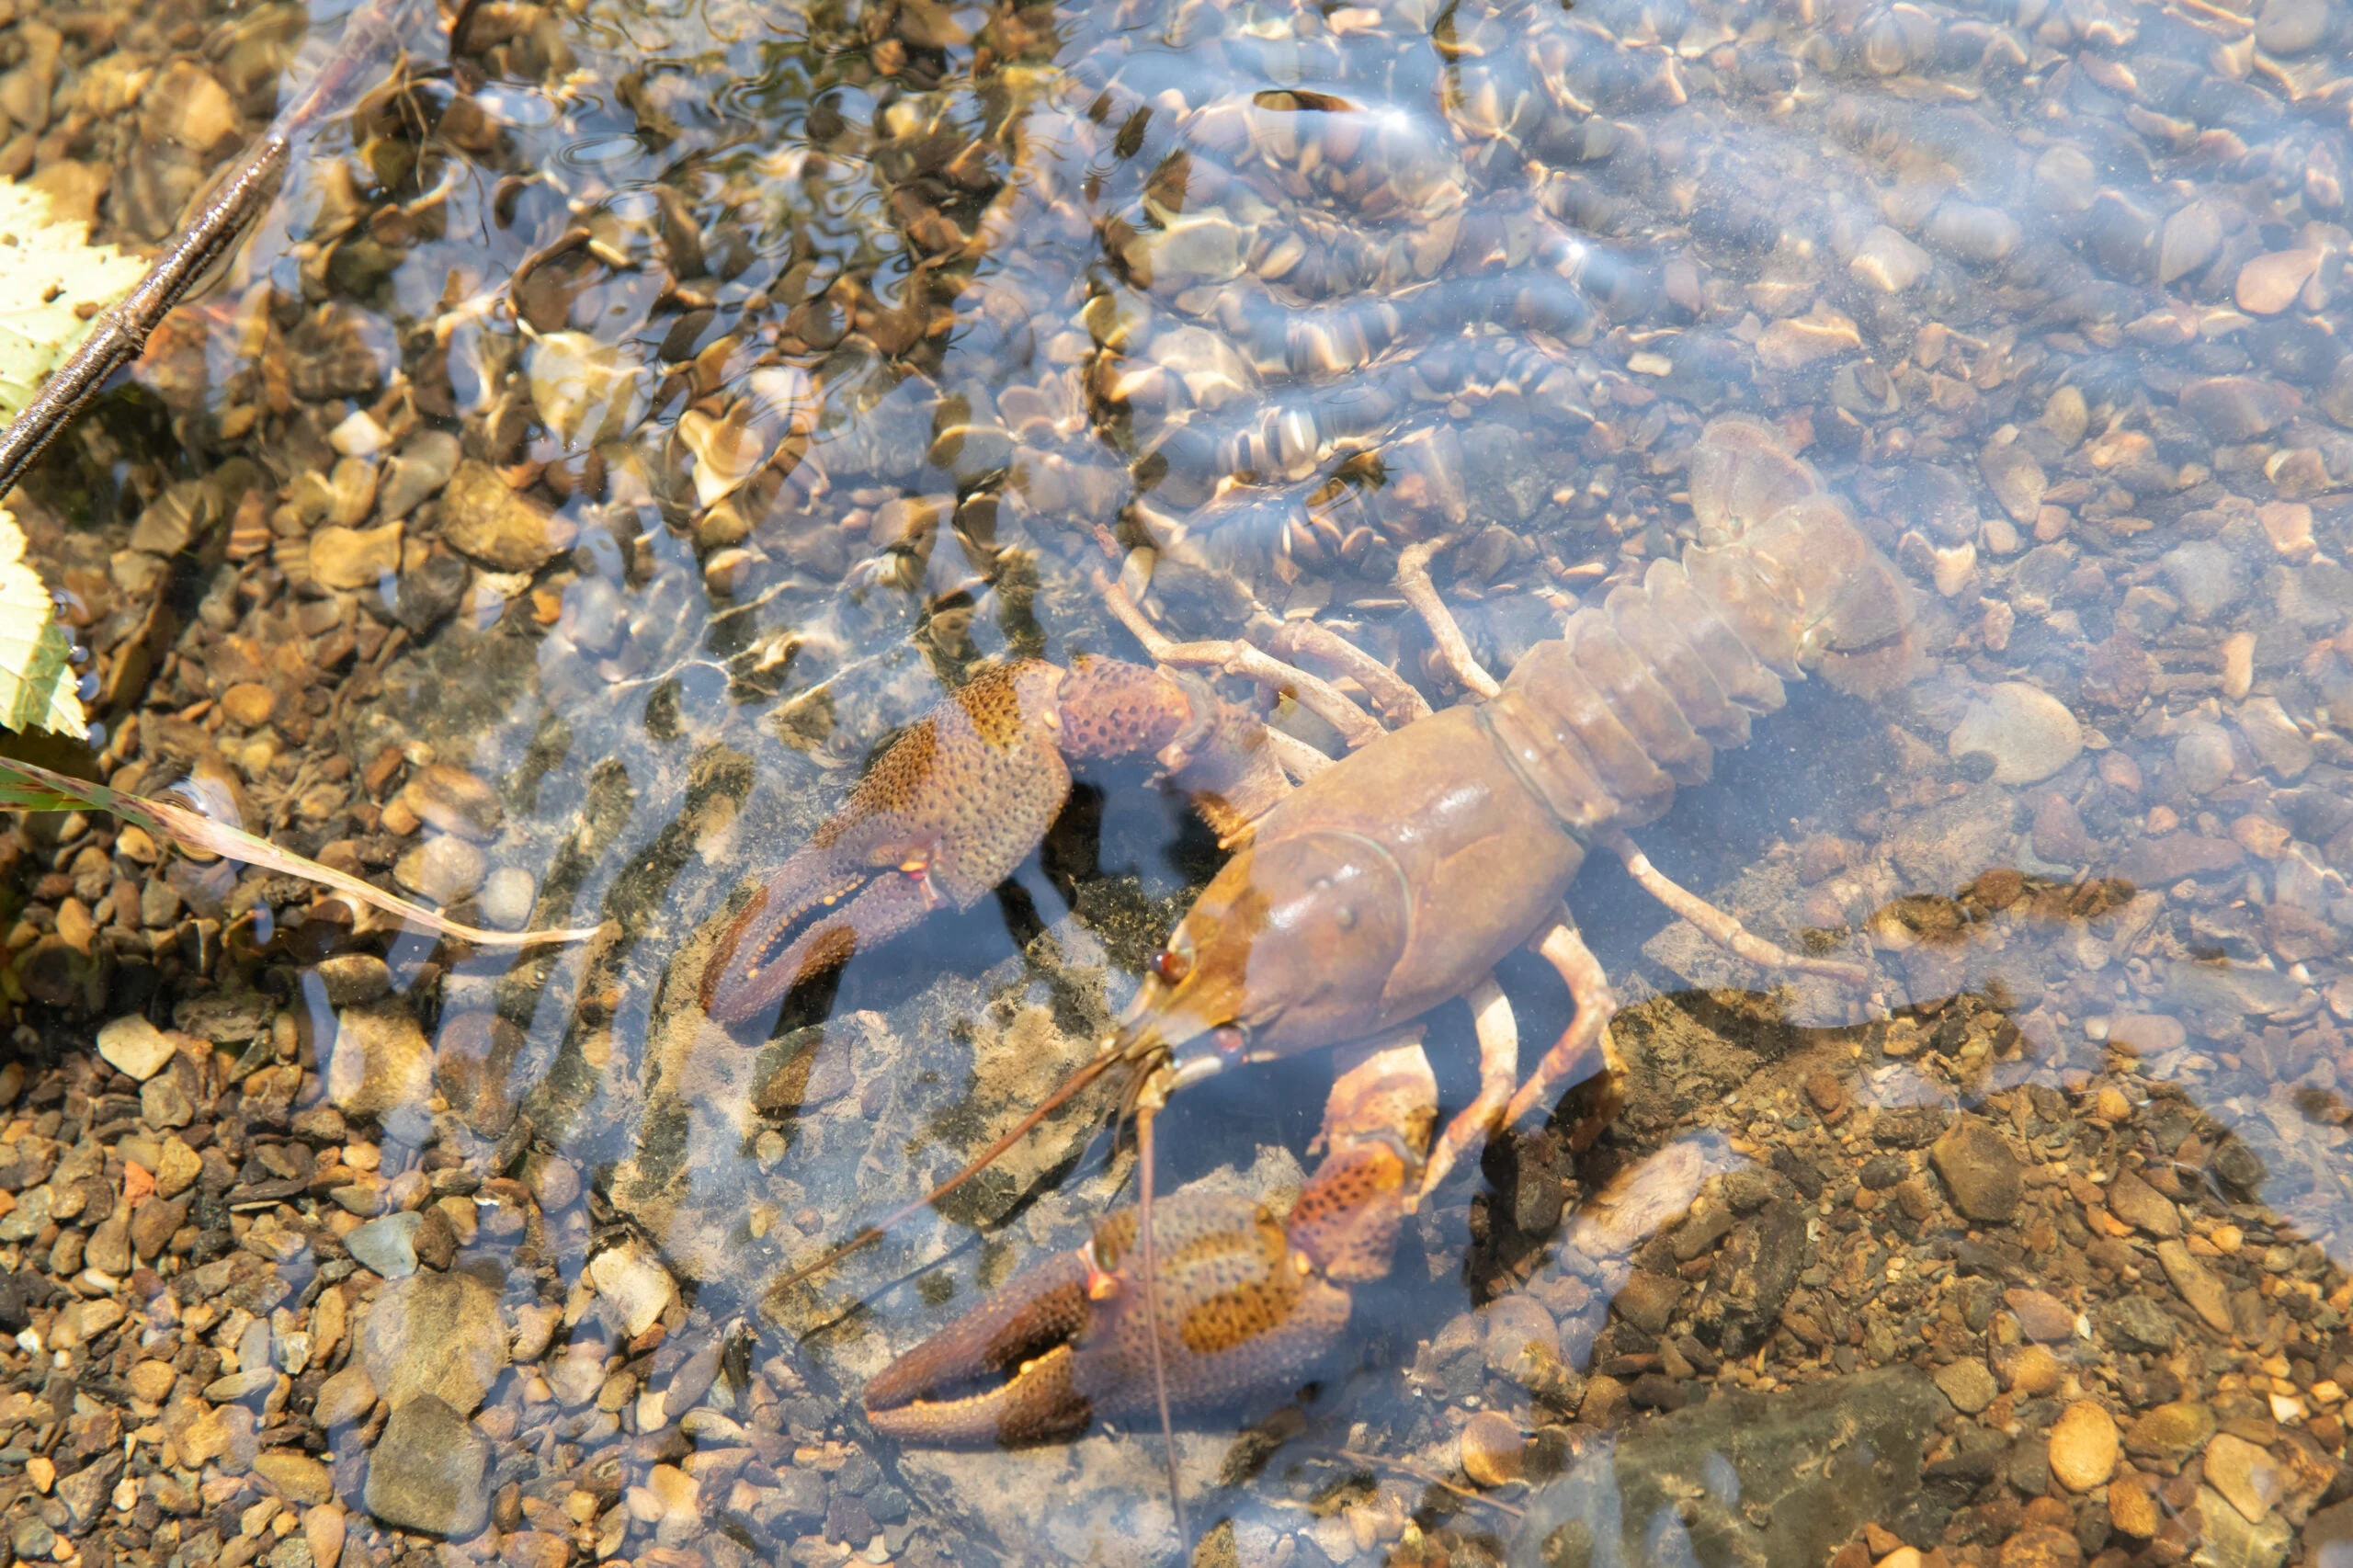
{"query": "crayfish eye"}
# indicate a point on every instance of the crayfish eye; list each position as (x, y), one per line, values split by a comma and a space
(1231, 1040)
(1171, 966)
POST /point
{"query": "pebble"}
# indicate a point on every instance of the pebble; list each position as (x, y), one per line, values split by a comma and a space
(2246, 1476)
(381, 1061)
(2170, 1432)
(2137, 1203)
(345, 1399)
(2278, 743)
(635, 1282)
(454, 800)
(1492, 1447)
(2040, 1314)
(506, 899)
(2059, 836)
(355, 560)
(442, 868)
(486, 520)
(2017, 480)
(2237, 408)
(2189, 241)
(434, 1334)
(2228, 1540)
(2202, 758)
(2269, 284)
(387, 1245)
(2208, 577)
(135, 1047)
(351, 979)
(1979, 1168)
(2034, 1371)
(323, 1532)
(428, 1473)
(2083, 1446)
(296, 1477)
(188, 105)
(585, 392)
(2196, 1284)
(1968, 1384)
(417, 474)
(2291, 27)
(2029, 732)
(2132, 1508)
(1889, 261)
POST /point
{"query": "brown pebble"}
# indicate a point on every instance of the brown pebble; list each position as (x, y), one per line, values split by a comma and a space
(248, 704)
(2083, 1446)
(2269, 284)
(453, 801)
(2132, 1508)
(1492, 1448)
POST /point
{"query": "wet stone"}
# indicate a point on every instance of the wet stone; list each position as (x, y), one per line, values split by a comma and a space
(381, 1064)
(484, 518)
(2135, 1322)
(434, 1334)
(454, 800)
(1889, 261)
(635, 1282)
(2058, 835)
(2206, 1294)
(135, 1047)
(2083, 1446)
(429, 1472)
(387, 1245)
(355, 560)
(2208, 577)
(2202, 758)
(2237, 408)
(506, 898)
(2137, 1203)
(2278, 743)
(2247, 1475)
(2269, 284)
(1968, 1384)
(2042, 1315)
(1492, 1448)
(2228, 1540)
(2030, 734)
(1980, 1171)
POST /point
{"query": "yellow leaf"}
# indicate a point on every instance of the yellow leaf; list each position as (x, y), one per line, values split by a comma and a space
(52, 285)
(36, 680)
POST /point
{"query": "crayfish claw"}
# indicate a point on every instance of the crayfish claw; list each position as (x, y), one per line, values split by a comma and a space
(938, 1391)
(1242, 1312)
(945, 815)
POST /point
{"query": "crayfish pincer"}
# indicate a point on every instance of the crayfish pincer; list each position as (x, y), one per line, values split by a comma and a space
(1388, 882)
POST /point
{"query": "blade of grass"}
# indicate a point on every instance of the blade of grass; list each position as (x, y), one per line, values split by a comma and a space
(26, 788)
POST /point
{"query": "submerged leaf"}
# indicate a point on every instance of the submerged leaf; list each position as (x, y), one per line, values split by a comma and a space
(53, 286)
(36, 680)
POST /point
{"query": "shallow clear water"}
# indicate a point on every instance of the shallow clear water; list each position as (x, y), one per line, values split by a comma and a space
(655, 409)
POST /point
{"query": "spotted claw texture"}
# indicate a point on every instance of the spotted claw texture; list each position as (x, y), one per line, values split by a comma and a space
(1248, 1303)
(1242, 1312)
(946, 814)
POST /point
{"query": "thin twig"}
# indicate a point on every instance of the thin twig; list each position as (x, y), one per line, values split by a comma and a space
(120, 333)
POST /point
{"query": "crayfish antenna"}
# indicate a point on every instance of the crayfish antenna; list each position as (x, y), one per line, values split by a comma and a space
(1152, 1099)
(1068, 1089)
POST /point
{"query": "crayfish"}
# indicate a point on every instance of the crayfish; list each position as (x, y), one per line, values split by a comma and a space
(1385, 884)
